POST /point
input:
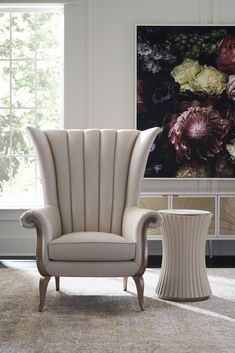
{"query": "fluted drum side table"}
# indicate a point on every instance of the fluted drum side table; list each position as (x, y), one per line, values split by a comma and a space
(183, 274)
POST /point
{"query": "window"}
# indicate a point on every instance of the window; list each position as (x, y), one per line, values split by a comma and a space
(31, 93)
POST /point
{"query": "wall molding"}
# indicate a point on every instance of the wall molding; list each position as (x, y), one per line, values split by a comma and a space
(89, 67)
(208, 11)
(74, 63)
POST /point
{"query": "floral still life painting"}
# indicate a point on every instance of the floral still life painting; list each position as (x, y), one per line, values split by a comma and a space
(186, 86)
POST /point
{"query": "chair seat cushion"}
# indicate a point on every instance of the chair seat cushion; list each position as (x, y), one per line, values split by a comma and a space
(91, 246)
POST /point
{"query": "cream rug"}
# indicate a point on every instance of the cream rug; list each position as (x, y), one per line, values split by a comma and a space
(95, 316)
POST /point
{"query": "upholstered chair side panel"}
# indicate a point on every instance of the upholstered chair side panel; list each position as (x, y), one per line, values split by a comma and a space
(124, 144)
(91, 165)
(138, 163)
(77, 178)
(59, 146)
(46, 164)
(107, 158)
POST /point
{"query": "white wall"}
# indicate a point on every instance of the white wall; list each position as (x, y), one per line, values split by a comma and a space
(100, 77)
(111, 54)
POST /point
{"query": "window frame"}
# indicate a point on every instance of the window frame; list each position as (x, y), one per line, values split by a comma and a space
(32, 8)
(76, 52)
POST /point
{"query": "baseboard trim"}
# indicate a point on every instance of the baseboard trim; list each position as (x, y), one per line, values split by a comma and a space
(227, 261)
(154, 261)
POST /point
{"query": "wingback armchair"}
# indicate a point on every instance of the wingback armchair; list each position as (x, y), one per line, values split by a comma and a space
(91, 225)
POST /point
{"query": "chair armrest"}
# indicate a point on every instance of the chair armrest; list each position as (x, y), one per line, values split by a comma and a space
(46, 220)
(48, 225)
(134, 227)
(135, 219)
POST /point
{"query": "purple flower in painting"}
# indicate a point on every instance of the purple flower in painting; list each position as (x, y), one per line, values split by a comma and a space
(164, 88)
(198, 133)
(230, 89)
(140, 100)
(226, 59)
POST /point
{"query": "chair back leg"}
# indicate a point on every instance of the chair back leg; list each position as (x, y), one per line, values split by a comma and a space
(125, 280)
(57, 283)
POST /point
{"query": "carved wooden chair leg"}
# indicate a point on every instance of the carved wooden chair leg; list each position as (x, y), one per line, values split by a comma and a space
(43, 283)
(57, 283)
(139, 281)
(125, 280)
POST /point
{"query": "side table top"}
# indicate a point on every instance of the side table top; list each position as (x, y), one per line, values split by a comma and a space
(184, 212)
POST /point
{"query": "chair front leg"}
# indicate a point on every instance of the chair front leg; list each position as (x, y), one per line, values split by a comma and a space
(139, 281)
(43, 283)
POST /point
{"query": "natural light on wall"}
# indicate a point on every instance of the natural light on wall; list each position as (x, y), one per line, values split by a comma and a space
(31, 93)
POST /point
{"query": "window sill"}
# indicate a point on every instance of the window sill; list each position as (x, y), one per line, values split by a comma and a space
(14, 213)
(18, 208)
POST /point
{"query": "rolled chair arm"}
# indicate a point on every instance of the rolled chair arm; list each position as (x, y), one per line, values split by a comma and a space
(134, 227)
(46, 220)
(135, 219)
(48, 225)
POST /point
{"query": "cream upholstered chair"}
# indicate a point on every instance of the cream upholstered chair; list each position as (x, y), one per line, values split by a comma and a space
(91, 225)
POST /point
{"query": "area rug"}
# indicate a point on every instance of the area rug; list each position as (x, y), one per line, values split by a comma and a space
(94, 315)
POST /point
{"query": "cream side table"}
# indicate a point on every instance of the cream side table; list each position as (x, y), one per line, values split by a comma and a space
(183, 274)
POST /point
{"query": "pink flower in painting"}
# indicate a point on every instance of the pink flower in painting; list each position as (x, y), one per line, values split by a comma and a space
(198, 133)
(226, 59)
(140, 101)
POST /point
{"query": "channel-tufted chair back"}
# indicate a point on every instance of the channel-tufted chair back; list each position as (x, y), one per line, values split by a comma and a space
(92, 175)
